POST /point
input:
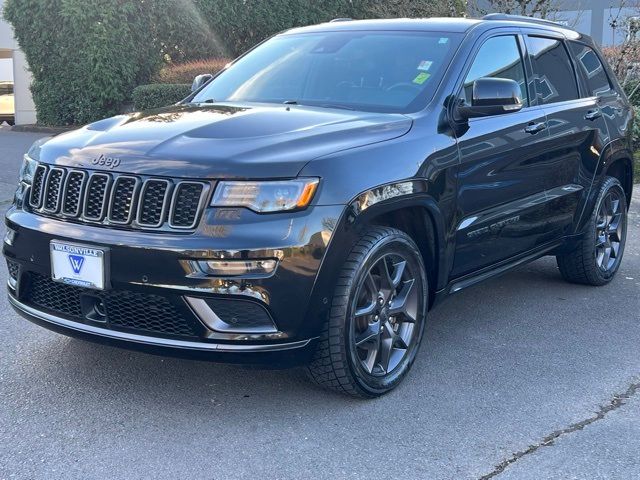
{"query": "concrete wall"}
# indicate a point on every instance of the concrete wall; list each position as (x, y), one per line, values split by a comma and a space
(25, 109)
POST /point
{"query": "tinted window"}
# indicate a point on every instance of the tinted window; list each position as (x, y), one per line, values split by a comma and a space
(499, 57)
(374, 71)
(553, 73)
(592, 69)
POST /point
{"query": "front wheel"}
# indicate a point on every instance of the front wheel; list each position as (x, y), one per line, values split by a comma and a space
(598, 254)
(377, 316)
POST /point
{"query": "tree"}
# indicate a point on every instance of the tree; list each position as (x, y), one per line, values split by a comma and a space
(532, 8)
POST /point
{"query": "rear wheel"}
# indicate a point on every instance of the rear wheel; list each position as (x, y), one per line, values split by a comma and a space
(597, 256)
(377, 316)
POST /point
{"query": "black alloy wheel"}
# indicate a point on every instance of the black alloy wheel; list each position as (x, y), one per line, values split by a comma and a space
(610, 231)
(383, 323)
(377, 317)
(595, 258)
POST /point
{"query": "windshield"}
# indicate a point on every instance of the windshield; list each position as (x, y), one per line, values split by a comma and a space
(372, 71)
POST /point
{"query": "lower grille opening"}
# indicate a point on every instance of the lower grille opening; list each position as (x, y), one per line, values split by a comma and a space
(14, 269)
(117, 309)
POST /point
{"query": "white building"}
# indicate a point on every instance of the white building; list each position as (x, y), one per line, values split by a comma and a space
(13, 67)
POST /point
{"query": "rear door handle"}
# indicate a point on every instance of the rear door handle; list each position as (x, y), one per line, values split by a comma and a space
(593, 114)
(534, 128)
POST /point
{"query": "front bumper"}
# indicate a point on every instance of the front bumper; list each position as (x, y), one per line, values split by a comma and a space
(146, 265)
(273, 355)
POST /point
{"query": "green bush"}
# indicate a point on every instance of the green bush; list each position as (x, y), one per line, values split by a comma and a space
(241, 24)
(187, 71)
(147, 97)
(86, 56)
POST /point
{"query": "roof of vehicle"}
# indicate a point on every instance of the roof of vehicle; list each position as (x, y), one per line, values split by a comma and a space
(453, 25)
(459, 25)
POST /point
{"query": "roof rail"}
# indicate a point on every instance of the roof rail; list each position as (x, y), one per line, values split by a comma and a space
(344, 19)
(522, 18)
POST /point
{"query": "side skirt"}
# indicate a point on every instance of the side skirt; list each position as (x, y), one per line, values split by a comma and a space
(494, 270)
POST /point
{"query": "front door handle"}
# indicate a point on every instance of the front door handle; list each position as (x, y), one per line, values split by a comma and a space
(534, 128)
(593, 114)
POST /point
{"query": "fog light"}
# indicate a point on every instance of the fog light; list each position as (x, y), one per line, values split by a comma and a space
(237, 268)
(9, 236)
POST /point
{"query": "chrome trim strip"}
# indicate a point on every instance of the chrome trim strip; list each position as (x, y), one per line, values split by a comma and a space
(132, 208)
(174, 199)
(80, 194)
(60, 190)
(152, 341)
(165, 201)
(105, 196)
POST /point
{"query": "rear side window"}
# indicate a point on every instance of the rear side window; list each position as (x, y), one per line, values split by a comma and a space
(499, 57)
(553, 72)
(592, 69)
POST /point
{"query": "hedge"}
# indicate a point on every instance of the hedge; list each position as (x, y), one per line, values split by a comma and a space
(186, 72)
(86, 56)
(239, 24)
(147, 97)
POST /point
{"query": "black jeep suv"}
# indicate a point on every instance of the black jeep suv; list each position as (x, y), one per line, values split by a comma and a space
(314, 200)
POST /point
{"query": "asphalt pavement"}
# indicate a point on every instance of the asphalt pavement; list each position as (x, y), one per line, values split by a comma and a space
(522, 377)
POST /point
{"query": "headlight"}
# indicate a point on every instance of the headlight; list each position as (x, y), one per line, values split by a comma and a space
(34, 151)
(268, 196)
(28, 169)
(31, 159)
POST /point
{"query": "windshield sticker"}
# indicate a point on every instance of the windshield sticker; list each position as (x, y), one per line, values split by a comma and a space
(421, 78)
(425, 65)
(443, 40)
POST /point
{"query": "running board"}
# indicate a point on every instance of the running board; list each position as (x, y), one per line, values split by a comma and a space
(494, 271)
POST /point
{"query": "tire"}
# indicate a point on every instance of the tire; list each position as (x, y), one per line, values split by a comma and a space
(374, 315)
(598, 254)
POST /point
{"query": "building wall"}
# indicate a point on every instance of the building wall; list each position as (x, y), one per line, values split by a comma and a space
(24, 107)
(592, 17)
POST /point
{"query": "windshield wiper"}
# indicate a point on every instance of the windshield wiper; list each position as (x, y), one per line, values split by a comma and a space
(208, 100)
(321, 105)
(331, 105)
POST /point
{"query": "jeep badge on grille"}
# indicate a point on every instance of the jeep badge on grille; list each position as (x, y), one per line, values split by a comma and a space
(109, 162)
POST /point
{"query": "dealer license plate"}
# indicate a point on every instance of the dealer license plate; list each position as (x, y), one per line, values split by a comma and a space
(78, 265)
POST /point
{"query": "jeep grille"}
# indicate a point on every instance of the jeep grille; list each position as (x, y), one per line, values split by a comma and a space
(117, 199)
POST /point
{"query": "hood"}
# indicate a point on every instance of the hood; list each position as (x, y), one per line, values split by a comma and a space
(221, 141)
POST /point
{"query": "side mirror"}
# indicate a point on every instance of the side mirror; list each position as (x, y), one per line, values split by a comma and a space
(492, 96)
(200, 80)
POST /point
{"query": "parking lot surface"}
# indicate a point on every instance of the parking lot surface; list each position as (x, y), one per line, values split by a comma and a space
(522, 377)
